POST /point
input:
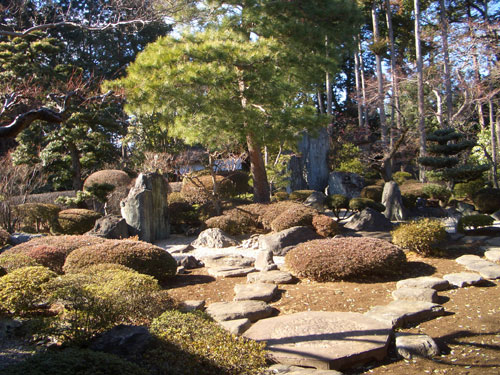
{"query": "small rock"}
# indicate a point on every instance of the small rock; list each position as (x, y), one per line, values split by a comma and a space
(181, 270)
(270, 277)
(191, 305)
(237, 326)
(188, 262)
(369, 220)
(415, 294)
(215, 238)
(260, 292)
(252, 310)
(111, 227)
(400, 313)
(462, 279)
(316, 200)
(264, 259)
(229, 271)
(493, 255)
(490, 272)
(281, 242)
(424, 282)
(410, 345)
(181, 249)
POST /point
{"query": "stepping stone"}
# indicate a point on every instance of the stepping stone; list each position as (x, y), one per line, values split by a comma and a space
(415, 294)
(409, 345)
(401, 313)
(490, 272)
(467, 259)
(423, 282)
(191, 305)
(486, 269)
(252, 310)
(493, 255)
(259, 291)
(462, 279)
(228, 261)
(229, 271)
(321, 339)
(264, 261)
(295, 370)
(495, 241)
(237, 326)
(271, 277)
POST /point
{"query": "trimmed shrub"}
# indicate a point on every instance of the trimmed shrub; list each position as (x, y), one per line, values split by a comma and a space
(37, 216)
(359, 204)
(487, 200)
(140, 256)
(113, 177)
(474, 221)
(198, 190)
(349, 258)
(410, 191)
(51, 257)
(467, 189)
(401, 177)
(435, 191)
(77, 220)
(11, 262)
(234, 222)
(21, 291)
(192, 343)
(325, 226)
(281, 196)
(74, 361)
(292, 217)
(270, 212)
(373, 192)
(64, 243)
(419, 236)
(337, 202)
(300, 195)
(181, 212)
(4, 238)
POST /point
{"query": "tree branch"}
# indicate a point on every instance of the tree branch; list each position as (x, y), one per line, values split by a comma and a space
(23, 120)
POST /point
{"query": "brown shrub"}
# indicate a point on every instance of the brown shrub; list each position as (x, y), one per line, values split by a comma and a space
(198, 189)
(272, 211)
(140, 256)
(235, 221)
(325, 226)
(108, 176)
(373, 192)
(350, 258)
(297, 216)
(52, 257)
(4, 238)
(77, 220)
(68, 243)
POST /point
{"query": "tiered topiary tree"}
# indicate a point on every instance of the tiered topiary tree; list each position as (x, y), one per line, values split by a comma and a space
(446, 145)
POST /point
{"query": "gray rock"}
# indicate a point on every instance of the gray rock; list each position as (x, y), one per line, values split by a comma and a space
(401, 313)
(181, 270)
(214, 237)
(110, 226)
(264, 260)
(252, 310)
(228, 261)
(237, 326)
(192, 305)
(316, 200)
(490, 272)
(314, 159)
(271, 277)
(325, 340)
(424, 282)
(188, 262)
(409, 345)
(486, 269)
(146, 209)
(19, 238)
(369, 220)
(297, 179)
(462, 279)
(296, 370)
(493, 255)
(281, 242)
(345, 183)
(465, 260)
(393, 202)
(415, 294)
(465, 208)
(230, 271)
(258, 291)
(181, 249)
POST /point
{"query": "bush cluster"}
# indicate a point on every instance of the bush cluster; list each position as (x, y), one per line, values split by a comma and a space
(235, 221)
(325, 226)
(359, 204)
(199, 189)
(337, 202)
(474, 221)
(36, 217)
(410, 191)
(349, 258)
(181, 212)
(77, 220)
(436, 191)
(11, 262)
(300, 195)
(292, 217)
(373, 192)
(108, 176)
(487, 200)
(194, 344)
(140, 256)
(400, 177)
(467, 189)
(419, 236)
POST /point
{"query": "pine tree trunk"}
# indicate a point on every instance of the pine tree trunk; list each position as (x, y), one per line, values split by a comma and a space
(394, 77)
(363, 84)
(328, 84)
(358, 90)
(420, 78)
(494, 152)
(261, 193)
(76, 167)
(447, 74)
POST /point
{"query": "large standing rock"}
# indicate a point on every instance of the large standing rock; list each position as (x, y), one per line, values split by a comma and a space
(369, 220)
(316, 200)
(279, 243)
(393, 202)
(345, 183)
(146, 209)
(111, 227)
(314, 158)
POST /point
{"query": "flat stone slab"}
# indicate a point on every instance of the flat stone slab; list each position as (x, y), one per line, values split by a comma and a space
(228, 261)
(237, 326)
(296, 370)
(463, 279)
(486, 269)
(409, 345)
(271, 277)
(401, 313)
(191, 305)
(229, 271)
(493, 255)
(435, 283)
(415, 294)
(251, 310)
(468, 259)
(321, 339)
(490, 272)
(259, 291)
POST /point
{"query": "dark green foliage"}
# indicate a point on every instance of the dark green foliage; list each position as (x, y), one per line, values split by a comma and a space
(442, 136)
(467, 189)
(420, 236)
(100, 191)
(337, 202)
(410, 191)
(350, 258)
(300, 195)
(450, 149)
(191, 343)
(359, 204)
(465, 172)
(400, 177)
(281, 196)
(487, 200)
(77, 220)
(74, 361)
(373, 192)
(474, 221)
(435, 191)
(438, 162)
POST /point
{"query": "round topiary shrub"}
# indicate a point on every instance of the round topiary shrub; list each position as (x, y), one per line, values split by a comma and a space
(419, 236)
(400, 177)
(21, 291)
(108, 176)
(474, 221)
(487, 200)
(292, 217)
(325, 226)
(410, 191)
(436, 191)
(240, 182)
(74, 362)
(349, 258)
(77, 220)
(36, 217)
(300, 195)
(140, 256)
(337, 202)
(12, 261)
(359, 204)
(234, 222)
(192, 343)
(373, 192)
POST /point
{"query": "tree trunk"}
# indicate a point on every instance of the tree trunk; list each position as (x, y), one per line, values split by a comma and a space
(380, 78)
(76, 167)
(447, 73)
(363, 85)
(439, 108)
(261, 193)
(394, 77)
(358, 90)
(328, 84)
(420, 78)
(494, 152)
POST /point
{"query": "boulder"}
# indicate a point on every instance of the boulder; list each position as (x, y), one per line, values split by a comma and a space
(409, 345)
(146, 209)
(215, 238)
(189, 262)
(251, 310)
(345, 183)
(369, 220)
(228, 261)
(110, 226)
(237, 326)
(393, 202)
(281, 242)
(316, 200)
(264, 261)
